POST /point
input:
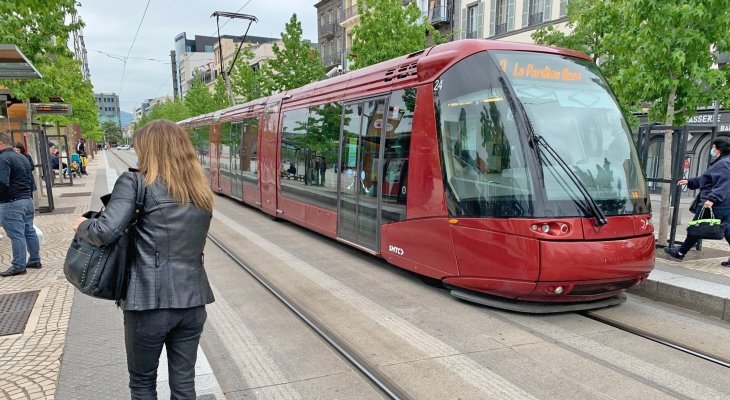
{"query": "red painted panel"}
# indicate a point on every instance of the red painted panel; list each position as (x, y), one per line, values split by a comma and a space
(251, 196)
(482, 253)
(596, 260)
(500, 287)
(292, 208)
(225, 184)
(425, 182)
(559, 228)
(426, 241)
(268, 165)
(323, 219)
(617, 227)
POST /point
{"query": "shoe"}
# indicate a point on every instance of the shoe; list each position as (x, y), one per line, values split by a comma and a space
(36, 265)
(674, 252)
(726, 263)
(13, 271)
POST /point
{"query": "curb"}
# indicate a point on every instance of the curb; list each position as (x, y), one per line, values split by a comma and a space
(680, 295)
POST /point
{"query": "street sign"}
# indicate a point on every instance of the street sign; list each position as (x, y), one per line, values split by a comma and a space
(51, 109)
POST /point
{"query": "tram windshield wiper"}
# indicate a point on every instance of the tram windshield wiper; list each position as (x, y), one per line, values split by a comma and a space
(544, 147)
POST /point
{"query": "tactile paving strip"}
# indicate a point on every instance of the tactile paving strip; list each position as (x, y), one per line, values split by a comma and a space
(15, 309)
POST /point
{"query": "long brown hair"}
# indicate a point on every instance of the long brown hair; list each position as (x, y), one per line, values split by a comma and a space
(165, 152)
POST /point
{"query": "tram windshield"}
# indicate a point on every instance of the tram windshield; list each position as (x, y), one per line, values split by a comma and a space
(571, 106)
(568, 103)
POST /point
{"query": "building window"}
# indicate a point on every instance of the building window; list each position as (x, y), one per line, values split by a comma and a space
(563, 7)
(537, 7)
(500, 17)
(471, 22)
(208, 48)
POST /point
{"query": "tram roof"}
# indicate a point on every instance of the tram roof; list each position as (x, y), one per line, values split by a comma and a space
(405, 71)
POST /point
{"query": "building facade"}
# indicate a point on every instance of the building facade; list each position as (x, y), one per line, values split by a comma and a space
(331, 35)
(107, 106)
(513, 20)
(261, 47)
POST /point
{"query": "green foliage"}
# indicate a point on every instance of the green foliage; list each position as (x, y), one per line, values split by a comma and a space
(198, 98)
(388, 30)
(294, 65)
(112, 131)
(174, 110)
(220, 95)
(245, 82)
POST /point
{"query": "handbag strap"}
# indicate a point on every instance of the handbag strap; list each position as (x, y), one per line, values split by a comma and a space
(139, 201)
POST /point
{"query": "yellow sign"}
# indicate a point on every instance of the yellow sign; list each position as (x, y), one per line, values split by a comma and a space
(537, 71)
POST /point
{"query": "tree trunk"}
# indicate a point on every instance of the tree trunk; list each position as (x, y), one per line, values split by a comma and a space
(667, 187)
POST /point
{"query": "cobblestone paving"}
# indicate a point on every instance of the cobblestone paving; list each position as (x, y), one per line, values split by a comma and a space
(710, 265)
(30, 362)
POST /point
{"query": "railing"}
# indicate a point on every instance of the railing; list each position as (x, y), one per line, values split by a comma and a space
(500, 28)
(349, 12)
(535, 19)
(441, 14)
(327, 30)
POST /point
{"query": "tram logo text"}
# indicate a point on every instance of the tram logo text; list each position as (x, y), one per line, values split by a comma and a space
(396, 250)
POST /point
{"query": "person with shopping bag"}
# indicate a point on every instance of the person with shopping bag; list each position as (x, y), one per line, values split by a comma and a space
(714, 198)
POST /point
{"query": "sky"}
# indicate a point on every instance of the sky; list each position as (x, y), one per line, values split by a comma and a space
(111, 25)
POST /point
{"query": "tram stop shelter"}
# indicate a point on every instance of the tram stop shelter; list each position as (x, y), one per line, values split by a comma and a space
(14, 64)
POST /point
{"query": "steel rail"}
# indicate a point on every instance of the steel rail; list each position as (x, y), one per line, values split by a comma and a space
(376, 378)
(658, 339)
(380, 381)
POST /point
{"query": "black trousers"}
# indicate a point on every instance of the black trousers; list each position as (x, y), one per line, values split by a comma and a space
(144, 334)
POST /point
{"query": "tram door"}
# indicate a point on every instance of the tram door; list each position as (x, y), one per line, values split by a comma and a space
(359, 180)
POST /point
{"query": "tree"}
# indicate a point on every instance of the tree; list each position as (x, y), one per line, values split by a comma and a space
(294, 65)
(112, 131)
(660, 52)
(220, 95)
(173, 110)
(198, 99)
(388, 30)
(245, 82)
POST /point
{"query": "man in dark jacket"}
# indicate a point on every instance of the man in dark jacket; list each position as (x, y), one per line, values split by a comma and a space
(81, 151)
(17, 209)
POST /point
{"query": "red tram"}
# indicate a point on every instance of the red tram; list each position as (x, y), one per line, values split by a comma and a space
(505, 170)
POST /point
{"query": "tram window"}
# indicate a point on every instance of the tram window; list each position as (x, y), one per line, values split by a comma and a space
(202, 144)
(249, 132)
(483, 160)
(396, 155)
(224, 150)
(309, 154)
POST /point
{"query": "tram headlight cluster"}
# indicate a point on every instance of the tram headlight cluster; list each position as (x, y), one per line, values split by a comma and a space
(552, 228)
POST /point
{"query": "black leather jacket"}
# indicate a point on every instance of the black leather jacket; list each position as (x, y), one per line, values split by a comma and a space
(168, 270)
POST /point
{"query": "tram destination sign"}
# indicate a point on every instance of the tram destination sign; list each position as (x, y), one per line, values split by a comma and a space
(51, 109)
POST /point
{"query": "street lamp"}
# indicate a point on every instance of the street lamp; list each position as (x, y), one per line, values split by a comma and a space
(231, 15)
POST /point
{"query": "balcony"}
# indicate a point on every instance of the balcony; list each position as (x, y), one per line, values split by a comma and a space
(440, 15)
(328, 30)
(535, 19)
(349, 12)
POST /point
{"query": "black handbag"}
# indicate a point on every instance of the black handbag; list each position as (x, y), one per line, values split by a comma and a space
(704, 228)
(103, 271)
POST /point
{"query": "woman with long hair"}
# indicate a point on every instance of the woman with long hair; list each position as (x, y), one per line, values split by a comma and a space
(20, 148)
(168, 287)
(714, 186)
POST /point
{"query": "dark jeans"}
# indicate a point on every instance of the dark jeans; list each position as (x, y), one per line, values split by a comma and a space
(17, 220)
(145, 332)
(722, 213)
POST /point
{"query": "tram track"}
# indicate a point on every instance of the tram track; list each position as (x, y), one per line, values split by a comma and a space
(361, 365)
(657, 339)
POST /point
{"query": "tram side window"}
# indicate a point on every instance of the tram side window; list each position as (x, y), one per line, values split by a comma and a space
(295, 168)
(224, 151)
(235, 143)
(396, 155)
(249, 149)
(202, 145)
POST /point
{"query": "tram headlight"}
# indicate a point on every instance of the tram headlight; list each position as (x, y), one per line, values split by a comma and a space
(545, 228)
(559, 290)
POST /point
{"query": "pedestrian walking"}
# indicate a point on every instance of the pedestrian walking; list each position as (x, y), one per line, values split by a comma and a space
(17, 209)
(168, 287)
(714, 186)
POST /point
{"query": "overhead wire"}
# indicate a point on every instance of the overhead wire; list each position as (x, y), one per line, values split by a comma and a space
(124, 68)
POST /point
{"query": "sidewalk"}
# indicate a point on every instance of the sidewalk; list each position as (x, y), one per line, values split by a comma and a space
(72, 345)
